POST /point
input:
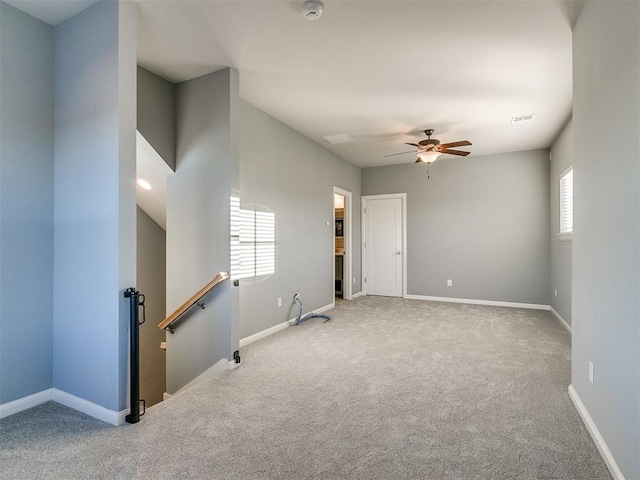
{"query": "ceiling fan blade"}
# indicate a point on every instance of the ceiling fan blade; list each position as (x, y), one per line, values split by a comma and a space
(412, 144)
(461, 143)
(455, 152)
(401, 153)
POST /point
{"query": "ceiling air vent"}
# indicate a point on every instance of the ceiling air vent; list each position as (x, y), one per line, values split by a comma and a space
(339, 138)
(525, 118)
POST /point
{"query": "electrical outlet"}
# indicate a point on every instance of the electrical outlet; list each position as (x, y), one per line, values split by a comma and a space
(555, 292)
(591, 372)
(449, 283)
(354, 280)
(279, 301)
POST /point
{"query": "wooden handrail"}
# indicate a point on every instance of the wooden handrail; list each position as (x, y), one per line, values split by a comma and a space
(166, 323)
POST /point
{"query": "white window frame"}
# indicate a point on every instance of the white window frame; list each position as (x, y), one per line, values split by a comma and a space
(566, 232)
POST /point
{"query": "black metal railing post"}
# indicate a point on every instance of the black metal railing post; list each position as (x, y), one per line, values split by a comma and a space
(136, 299)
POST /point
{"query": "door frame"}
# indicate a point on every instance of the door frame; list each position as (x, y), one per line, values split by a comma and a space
(403, 204)
(347, 286)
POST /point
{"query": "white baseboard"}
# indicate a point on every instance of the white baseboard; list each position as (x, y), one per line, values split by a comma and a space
(319, 310)
(89, 408)
(25, 403)
(561, 320)
(615, 471)
(281, 326)
(356, 295)
(80, 404)
(220, 366)
(265, 333)
(532, 306)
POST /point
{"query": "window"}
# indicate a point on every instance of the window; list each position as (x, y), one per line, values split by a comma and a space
(566, 203)
(253, 241)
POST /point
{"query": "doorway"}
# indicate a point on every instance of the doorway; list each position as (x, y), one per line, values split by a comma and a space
(151, 265)
(384, 245)
(342, 248)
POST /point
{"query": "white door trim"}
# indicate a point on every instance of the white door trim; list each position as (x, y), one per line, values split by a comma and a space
(403, 199)
(347, 284)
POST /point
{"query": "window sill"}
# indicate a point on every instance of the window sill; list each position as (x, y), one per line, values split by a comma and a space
(565, 237)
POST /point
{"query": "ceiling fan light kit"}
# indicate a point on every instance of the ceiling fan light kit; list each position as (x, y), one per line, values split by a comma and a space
(312, 9)
(427, 157)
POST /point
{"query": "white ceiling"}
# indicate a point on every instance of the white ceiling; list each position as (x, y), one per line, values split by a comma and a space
(381, 71)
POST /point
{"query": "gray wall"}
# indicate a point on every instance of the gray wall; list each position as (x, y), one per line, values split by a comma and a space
(198, 225)
(561, 159)
(26, 203)
(481, 221)
(95, 203)
(606, 238)
(235, 118)
(151, 273)
(285, 173)
(157, 114)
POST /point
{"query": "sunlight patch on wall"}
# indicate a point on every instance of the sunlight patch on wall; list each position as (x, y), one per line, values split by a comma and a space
(253, 242)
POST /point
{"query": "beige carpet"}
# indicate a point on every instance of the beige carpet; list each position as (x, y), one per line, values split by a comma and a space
(389, 389)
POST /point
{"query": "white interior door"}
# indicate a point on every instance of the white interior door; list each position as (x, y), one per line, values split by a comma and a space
(383, 247)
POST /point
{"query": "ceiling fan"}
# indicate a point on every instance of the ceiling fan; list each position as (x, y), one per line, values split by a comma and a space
(430, 149)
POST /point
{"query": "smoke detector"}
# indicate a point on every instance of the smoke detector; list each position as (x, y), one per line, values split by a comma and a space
(312, 9)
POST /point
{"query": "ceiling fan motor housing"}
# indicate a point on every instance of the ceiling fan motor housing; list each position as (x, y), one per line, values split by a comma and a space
(429, 145)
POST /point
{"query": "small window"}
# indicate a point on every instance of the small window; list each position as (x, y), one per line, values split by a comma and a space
(566, 202)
